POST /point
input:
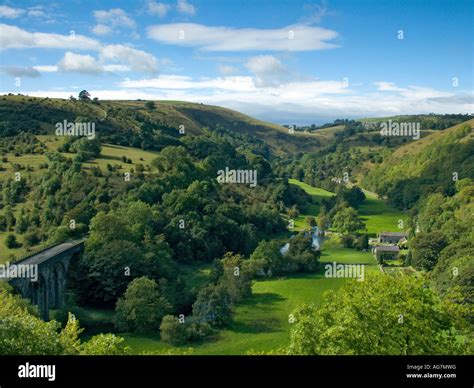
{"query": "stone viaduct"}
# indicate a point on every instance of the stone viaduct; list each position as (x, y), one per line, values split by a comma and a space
(48, 291)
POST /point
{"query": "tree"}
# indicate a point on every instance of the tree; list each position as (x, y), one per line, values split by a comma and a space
(411, 320)
(322, 220)
(84, 95)
(347, 221)
(142, 308)
(268, 259)
(426, 249)
(301, 254)
(150, 105)
(362, 242)
(22, 332)
(89, 148)
(312, 222)
(213, 306)
(173, 331)
(235, 276)
(31, 238)
(11, 241)
(103, 274)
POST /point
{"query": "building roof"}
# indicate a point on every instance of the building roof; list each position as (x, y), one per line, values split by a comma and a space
(393, 234)
(387, 248)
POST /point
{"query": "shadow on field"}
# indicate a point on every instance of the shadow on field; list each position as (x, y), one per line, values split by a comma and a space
(261, 322)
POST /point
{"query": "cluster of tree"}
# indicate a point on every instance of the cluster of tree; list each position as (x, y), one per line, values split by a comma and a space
(144, 307)
(406, 178)
(22, 332)
(338, 159)
(213, 307)
(344, 217)
(444, 245)
(268, 260)
(85, 148)
(24, 143)
(412, 320)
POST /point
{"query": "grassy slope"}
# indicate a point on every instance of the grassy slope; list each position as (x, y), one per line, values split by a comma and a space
(261, 322)
(376, 213)
(110, 154)
(317, 194)
(412, 159)
(379, 216)
(172, 113)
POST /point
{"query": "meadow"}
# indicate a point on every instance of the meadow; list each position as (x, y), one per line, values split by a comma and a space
(262, 321)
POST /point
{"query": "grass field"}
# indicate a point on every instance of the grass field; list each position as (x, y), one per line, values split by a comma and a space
(375, 212)
(313, 209)
(261, 322)
(380, 216)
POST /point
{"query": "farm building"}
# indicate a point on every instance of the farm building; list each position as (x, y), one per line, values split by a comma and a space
(392, 237)
(387, 252)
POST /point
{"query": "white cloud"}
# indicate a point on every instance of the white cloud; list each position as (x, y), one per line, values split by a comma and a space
(111, 20)
(13, 13)
(79, 63)
(268, 70)
(387, 86)
(227, 69)
(14, 37)
(114, 17)
(117, 68)
(46, 68)
(137, 59)
(176, 82)
(101, 30)
(300, 101)
(158, 9)
(37, 11)
(290, 38)
(128, 57)
(10, 13)
(19, 71)
(182, 6)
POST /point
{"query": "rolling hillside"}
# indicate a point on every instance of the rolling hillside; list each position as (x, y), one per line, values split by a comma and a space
(434, 162)
(118, 121)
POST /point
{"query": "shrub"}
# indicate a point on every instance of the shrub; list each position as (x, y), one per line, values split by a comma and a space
(173, 331)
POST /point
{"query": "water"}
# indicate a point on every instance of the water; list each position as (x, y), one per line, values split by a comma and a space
(316, 244)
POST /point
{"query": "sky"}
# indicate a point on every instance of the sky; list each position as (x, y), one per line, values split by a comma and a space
(288, 62)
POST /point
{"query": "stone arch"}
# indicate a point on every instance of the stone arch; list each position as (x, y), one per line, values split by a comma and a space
(43, 297)
(58, 282)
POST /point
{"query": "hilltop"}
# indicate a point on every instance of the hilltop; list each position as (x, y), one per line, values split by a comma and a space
(120, 121)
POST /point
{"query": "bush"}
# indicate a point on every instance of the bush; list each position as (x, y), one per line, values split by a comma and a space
(197, 331)
(173, 331)
(347, 241)
(11, 241)
(142, 308)
(213, 306)
(31, 238)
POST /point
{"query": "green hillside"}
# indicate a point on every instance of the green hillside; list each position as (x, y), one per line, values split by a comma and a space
(431, 163)
(120, 122)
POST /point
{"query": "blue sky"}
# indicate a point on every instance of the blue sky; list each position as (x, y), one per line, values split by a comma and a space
(283, 61)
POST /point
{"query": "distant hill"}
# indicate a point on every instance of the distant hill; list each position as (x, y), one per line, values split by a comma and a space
(432, 163)
(120, 121)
